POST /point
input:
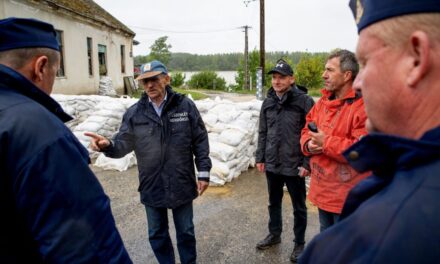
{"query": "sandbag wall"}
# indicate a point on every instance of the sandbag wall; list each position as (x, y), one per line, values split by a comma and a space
(232, 130)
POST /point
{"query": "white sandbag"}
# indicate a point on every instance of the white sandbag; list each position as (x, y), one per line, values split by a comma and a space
(232, 175)
(222, 151)
(252, 162)
(106, 86)
(220, 168)
(213, 137)
(89, 126)
(216, 181)
(97, 119)
(216, 128)
(121, 164)
(232, 137)
(109, 113)
(204, 105)
(210, 119)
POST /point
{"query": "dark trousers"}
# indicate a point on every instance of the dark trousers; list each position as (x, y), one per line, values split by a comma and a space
(327, 219)
(159, 236)
(297, 190)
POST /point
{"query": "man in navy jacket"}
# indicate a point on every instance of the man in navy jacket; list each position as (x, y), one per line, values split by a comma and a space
(393, 215)
(53, 208)
(168, 136)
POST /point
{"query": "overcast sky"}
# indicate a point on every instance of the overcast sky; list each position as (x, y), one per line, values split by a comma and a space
(213, 26)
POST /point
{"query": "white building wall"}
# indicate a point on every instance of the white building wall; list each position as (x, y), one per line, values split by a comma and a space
(75, 32)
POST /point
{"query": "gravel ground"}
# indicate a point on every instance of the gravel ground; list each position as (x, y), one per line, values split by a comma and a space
(229, 220)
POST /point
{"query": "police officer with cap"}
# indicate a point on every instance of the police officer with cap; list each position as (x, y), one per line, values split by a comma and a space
(54, 210)
(393, 215)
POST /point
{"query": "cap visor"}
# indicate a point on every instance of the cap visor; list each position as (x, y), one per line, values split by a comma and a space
(148, 75)
(278, 71)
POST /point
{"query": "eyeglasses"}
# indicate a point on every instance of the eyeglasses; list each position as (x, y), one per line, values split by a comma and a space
(152, 79)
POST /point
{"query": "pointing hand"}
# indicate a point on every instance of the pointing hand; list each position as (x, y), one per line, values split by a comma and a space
(97, 142)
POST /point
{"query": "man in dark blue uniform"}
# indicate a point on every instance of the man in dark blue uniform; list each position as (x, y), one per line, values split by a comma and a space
(393, 215)
(53, 208)
(168, 136)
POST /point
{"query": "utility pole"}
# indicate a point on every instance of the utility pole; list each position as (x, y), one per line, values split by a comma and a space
(246, 59)
(262, 49)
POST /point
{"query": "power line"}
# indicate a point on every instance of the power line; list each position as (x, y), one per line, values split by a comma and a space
(186, 32)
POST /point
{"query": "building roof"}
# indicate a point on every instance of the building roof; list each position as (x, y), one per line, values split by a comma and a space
(87, 9)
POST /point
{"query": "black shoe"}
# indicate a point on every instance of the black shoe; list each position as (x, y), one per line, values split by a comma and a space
(269, 241)
(297, 250)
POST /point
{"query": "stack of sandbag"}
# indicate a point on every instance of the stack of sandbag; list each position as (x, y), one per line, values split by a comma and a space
(104, 120)
(101, 115)
(232, 130)
(106, 86)
(233, 133)
(78, 106)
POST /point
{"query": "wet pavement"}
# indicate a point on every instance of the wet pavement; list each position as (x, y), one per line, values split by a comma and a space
(229, 220)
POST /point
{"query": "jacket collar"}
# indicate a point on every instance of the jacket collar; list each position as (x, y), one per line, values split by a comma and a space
(170, 95)
(13, 80)
(172, 98)
(383, 153)
(350, 96)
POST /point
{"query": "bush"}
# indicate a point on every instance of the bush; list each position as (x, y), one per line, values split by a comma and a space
(309, 71)
(207, 80)
(177, 79)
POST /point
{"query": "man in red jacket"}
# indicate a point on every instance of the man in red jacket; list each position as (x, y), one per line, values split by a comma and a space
(340, 119)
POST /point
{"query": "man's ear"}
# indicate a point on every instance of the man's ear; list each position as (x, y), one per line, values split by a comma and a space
(168, 79)
(348, 76)
(41, 64)
(419, 52)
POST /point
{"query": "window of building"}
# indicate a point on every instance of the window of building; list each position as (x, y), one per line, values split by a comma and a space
(61, 72)
(123, 58)
(89, 55)
(102, 50)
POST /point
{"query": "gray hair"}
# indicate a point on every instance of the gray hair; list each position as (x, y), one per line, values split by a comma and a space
(348, 61)
(396, 31)
(17, 58)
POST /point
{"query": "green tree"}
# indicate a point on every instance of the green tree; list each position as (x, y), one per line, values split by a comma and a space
(309, 71)
(138, 60)
(254, 63)
(160, 50)
(207, 80)
(254, 60)
(177, 79)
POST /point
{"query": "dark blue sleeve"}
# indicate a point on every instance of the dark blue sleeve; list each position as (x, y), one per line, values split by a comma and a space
(124, 141)
(65, 208)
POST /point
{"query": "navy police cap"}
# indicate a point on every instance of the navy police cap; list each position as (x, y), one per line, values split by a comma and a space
(367, 12)
(16, 33)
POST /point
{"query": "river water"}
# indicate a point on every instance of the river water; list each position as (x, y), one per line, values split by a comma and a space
(229, 76)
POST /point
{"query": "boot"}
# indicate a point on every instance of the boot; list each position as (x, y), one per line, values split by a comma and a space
(269, 241)
(297, 250)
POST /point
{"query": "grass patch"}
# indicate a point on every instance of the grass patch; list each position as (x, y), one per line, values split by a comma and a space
(241, 91)
(194, 94)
